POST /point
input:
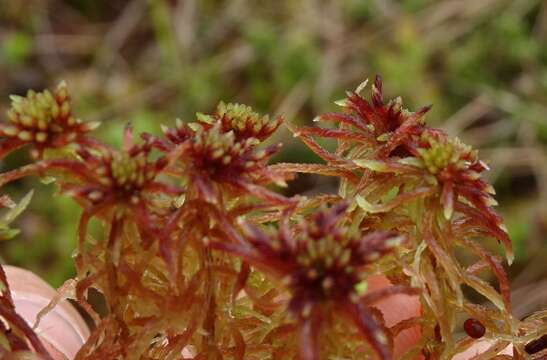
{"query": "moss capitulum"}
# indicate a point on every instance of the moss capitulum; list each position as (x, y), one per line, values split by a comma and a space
(445, 152)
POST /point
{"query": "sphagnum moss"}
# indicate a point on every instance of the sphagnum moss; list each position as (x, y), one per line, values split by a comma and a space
(185, 264)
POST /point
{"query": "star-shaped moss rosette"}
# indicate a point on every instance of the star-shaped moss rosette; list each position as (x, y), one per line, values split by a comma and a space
(375, 128)
(243, 121)
(122, 189)
(220, 150)
(450, 170)
(120, 176)
(44, 120)
(322, 263)
(231, 117)
(443, 179)
(117, 185)
(220, 157)
(458, 169)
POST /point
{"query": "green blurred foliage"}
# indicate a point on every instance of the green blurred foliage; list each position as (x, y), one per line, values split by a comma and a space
(16, 48)
(482, 64)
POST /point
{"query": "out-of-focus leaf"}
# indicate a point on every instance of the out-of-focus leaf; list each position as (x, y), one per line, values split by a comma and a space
(17, 210)
(4, 343)
(8, 233)
(5, 231)
(16, 48)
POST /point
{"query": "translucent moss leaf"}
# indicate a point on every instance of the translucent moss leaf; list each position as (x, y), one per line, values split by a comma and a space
(46, 180)
(365, 205)
(208, 119)
(17, 210)
(6, 232)
(373, 165)
(397, 201)
(412, 161)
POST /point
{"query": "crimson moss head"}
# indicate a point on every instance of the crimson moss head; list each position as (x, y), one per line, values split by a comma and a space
(323, 263)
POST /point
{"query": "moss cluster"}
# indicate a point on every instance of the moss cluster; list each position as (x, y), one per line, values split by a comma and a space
(199, 256)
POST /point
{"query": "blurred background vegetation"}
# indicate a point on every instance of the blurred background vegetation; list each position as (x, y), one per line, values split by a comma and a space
(482, 63)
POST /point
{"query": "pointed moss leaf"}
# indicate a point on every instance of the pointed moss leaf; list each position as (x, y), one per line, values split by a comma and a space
(195, 126)
(46, 180)
(8, 233)
(361, 86)
(17, 210)
(384, 137)
(448, 211)
(390, 195)
(373, 165)
(365, 205)
(179, 201)
(412, 161)
(205, 118)
(342, 102)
